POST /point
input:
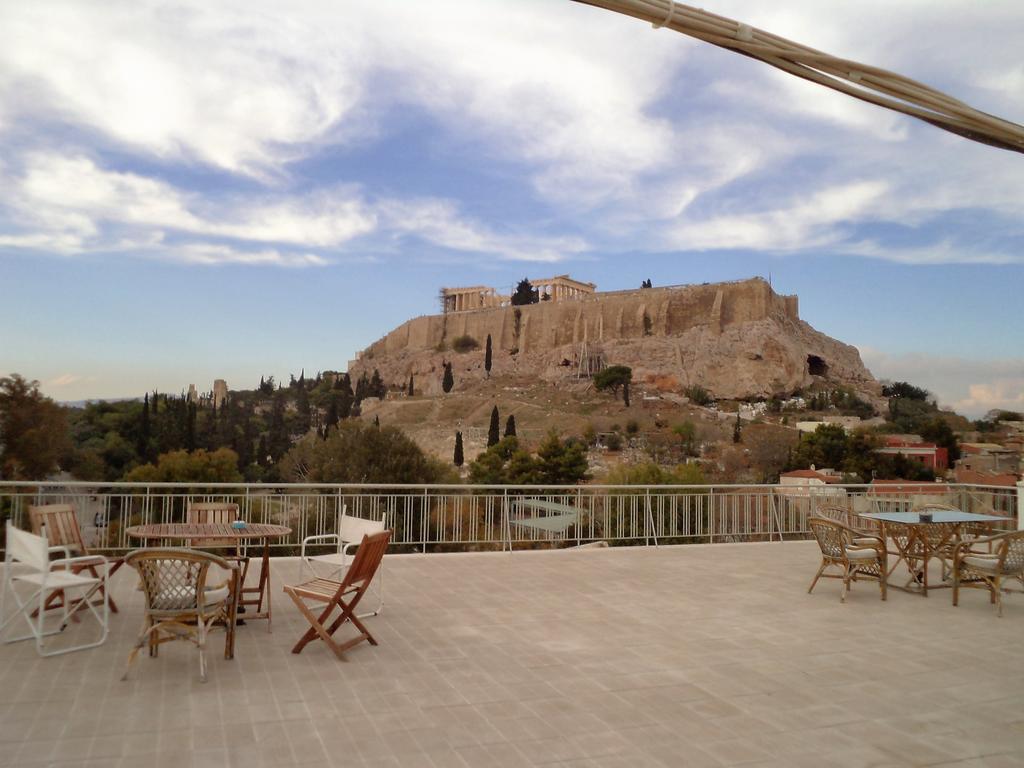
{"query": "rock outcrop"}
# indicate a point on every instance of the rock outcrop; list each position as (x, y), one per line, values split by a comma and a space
(737, 340)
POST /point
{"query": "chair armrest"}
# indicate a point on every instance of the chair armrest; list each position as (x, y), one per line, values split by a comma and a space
(59, 548)
(322, 538)
(67, 562)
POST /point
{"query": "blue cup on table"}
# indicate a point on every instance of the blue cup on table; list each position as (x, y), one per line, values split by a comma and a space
(238, 525)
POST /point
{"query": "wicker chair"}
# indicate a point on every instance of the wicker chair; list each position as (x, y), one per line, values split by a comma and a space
(179, 605)
(1003, 557)
(854, 553)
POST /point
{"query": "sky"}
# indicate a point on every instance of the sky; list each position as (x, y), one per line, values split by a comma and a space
(191, 191)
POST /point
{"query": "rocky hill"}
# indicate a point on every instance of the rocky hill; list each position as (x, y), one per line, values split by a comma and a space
(738, 340)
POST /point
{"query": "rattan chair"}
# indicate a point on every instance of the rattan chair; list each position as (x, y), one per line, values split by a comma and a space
(1003, 557)
(179, 605)
(59, 524)
(854, 553)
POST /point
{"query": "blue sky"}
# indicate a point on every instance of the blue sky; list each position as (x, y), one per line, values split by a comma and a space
(190, 192)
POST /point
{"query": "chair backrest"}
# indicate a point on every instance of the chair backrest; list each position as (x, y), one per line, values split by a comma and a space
(1010, 551)
(173, 578)
(211, 512)
(367, 560)
(832, 512)
(352, 528)
(831, 536)
(27, 548)
(61, 526)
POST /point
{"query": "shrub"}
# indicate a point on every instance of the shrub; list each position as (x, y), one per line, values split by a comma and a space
(464, 344)
(698, 395)
(613, 441)
(632, 427)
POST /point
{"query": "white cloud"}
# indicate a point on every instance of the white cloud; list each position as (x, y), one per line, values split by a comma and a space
(77, 207)
(644, 137)
(806, 222)
(971, 387)
(65, 380)
(439, 222)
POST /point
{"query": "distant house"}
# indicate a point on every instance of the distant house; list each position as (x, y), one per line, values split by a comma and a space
(903, 495)
(988, 457)
(930, 455)
(973, 477)
(802, 483)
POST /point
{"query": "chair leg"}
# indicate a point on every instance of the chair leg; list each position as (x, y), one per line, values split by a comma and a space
(817, 576)
(956, 585)
(201, 642)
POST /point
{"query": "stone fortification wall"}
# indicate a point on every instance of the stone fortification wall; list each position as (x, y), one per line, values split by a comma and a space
(603, 317)
(737, 339)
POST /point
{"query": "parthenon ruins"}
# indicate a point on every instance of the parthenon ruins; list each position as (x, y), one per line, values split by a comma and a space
(558, 288)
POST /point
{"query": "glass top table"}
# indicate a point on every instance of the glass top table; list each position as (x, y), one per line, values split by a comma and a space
(919, 539)
(937, 516)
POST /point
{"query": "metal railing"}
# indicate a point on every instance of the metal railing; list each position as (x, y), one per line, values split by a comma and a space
(451, 517)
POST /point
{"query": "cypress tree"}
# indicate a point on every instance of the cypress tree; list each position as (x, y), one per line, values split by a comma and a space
(625, 394)
(448, 381)
(510, 426)
(190, 427)
(493, 433)
(411, 390)
(736, 430)
(332, 414)
(377, 387)
(487, 356)
(458, 457)
(302, 406)
(376, 421)
(142, 447)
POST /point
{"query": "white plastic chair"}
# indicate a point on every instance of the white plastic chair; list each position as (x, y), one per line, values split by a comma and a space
(351, 530)
(27, 561)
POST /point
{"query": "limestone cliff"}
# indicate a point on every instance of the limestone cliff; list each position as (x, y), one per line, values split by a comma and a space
(737, 340)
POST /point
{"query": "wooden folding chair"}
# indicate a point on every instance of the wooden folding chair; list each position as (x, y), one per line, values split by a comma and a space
(59, 524)
(218, 513)
(342, 595)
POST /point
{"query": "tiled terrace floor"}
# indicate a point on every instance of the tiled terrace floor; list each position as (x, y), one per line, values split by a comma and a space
(676, 656)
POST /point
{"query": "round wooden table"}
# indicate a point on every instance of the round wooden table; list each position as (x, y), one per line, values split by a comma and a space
(224, 535)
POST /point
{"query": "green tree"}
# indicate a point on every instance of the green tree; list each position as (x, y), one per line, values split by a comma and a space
(650, 473)
(524, 294)
(487, 356)
(614, 378)
(142, 446)
(510, 426)
(200, 466)
(824, 447)
(411, 390)
(904, 390)
(303, 413)
(687, 433)
(448, 380)
(357, 452)
(493, 431)
(377, 387)
(457, 457)
(737, 429)
(33, 431)
(277, 436)
(561, 461)
(939, 432)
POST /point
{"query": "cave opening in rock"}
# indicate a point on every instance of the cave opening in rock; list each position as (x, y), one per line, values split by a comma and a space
(816, 366)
